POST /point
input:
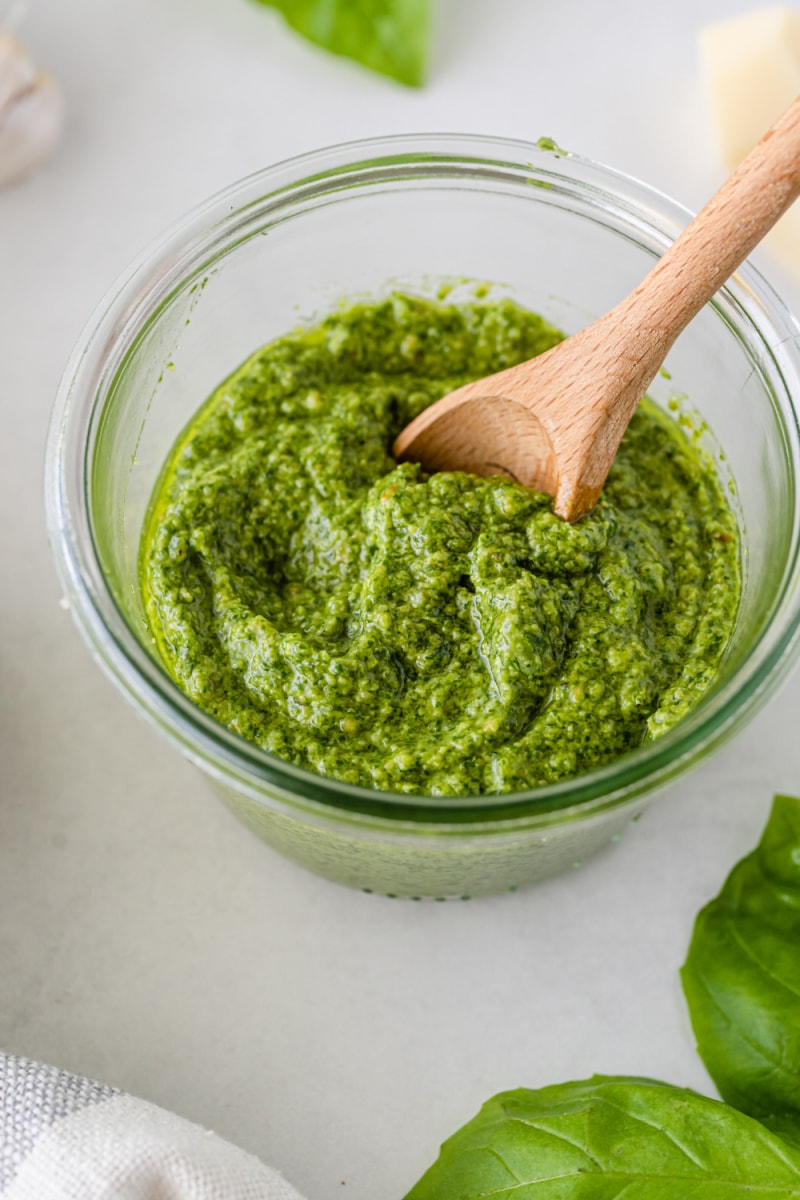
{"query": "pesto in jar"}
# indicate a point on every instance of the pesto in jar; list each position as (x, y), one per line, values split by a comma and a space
(444, 635)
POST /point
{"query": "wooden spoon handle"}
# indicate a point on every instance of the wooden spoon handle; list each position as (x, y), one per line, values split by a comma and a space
(722, 234)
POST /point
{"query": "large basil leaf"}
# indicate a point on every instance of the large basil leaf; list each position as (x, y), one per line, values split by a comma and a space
(611, 1137)
(390, 36)
(742, 977)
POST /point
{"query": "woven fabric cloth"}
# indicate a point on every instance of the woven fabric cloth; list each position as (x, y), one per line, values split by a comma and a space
(63, 1137)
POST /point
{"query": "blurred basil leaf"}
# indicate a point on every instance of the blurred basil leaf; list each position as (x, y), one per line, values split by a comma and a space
(390, 36)
(609, 1137)
(742, 977)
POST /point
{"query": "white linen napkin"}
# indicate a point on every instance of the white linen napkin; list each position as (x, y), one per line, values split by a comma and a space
(63, 1137)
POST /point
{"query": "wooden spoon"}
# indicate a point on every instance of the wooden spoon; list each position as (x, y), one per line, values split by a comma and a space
(554, 423)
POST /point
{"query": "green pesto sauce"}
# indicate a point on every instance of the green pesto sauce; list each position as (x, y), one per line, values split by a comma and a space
(443, 634)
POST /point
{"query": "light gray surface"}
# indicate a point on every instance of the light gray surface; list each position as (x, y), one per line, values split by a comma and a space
(145, 938)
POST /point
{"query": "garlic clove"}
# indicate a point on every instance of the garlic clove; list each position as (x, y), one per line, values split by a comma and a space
(17, 70)
(31, 111)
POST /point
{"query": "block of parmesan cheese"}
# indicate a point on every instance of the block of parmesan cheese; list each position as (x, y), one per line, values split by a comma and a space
(751, 66)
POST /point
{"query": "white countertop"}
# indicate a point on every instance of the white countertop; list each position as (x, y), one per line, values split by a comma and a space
(146, 939)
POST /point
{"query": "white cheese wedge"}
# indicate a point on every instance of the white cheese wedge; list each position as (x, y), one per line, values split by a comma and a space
(751, 70)
(751, 66)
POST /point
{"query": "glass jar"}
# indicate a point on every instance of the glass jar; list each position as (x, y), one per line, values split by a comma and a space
(564, 236)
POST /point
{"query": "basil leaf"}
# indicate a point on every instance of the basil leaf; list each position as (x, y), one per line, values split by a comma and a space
(390, 36)
(607, 1137)
(742, 976)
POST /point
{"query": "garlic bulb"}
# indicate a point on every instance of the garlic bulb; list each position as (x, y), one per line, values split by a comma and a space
(31, 111)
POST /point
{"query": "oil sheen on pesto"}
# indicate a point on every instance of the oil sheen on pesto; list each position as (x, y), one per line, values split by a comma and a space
(443, 634)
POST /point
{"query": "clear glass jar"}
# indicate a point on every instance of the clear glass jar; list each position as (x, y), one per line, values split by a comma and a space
(562, 235)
